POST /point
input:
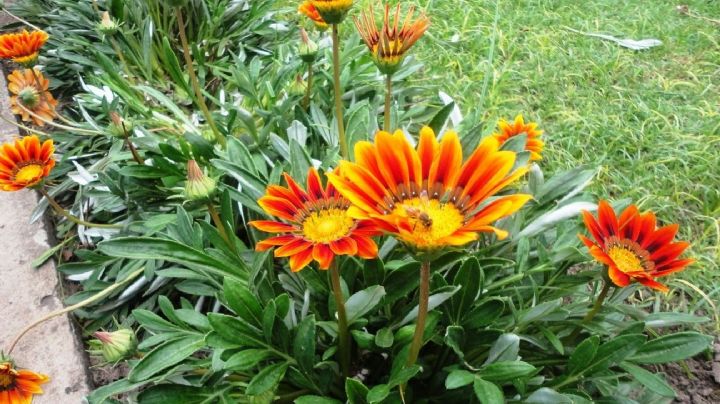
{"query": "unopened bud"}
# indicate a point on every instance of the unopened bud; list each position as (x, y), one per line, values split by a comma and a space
(107, 26)
(120, 127)
(298, 86)
(307, 49)
(114, 346)
(199, 186)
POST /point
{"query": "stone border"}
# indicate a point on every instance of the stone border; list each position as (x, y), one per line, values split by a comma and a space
(26, 294)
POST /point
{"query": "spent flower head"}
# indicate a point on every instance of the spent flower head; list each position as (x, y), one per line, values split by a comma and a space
(107, 25)
(308, 49)
(30, 98)
(199, 187)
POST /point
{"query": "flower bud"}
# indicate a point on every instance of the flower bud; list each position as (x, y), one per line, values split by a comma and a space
(107, 26)
(298, 86)
(307, 49)
(199, 186)
(119, 126)
(115, 346)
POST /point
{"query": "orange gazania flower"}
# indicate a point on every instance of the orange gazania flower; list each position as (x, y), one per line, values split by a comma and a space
(315, 225)
(25, 163)
(427, 197)
(311, 12)
(388, 46)
(509, 129)
(31, 93)
(632, 247)
(18, 386)
(22, 47)
(332, 11)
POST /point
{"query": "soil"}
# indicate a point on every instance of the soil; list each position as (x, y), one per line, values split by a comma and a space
(703, 387)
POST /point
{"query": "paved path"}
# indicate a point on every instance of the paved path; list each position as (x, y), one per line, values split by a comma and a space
(26, 294)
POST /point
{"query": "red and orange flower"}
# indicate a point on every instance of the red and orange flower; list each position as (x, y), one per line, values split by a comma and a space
(427, 197)
(509, 129)
(306, 8)
(332, 11)
(30, 93)
(315, 224)
(18, 386)
(25, 163)
(632, 247)
(22, 47)
(389, 45)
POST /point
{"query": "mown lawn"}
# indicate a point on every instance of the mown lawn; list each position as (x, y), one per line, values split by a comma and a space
(649, 119)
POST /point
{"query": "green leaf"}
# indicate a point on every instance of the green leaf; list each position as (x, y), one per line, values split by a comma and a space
(304, 344)
(403, 375)
(487, 392)
(173, 68)
(242, 301)
(553, 339)
(441, 117)
(164, 356)
(247, 359)
(455, 339)
(384, 338)
(505, 348)
(153, 322)
(235, 330)
(434, 301)
(266, 379)
(672, 348)
(173, 393)
(615, 351)
(316, 400)
(659, 320)
(362, 302)
(469, 278)
(583, 355)
(378, 393)
(49, 253)
(484, 314)
(356, 391)
(652, 381)
(546, 395)
(458, 378)
(539, 311)
(506, 371)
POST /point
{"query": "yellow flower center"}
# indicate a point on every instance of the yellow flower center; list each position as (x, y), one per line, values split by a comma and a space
(29, 174)
(7, 376)
(431, 221)
(327, 225)
(626, 260)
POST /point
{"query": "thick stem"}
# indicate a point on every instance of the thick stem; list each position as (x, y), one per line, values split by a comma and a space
(59, 209)
(343, 335)
(76, 306)
(591, 314)
(388, 101)
(338, 92)
(422, 313)
(220, 226)
(308, 89)
(193, 78)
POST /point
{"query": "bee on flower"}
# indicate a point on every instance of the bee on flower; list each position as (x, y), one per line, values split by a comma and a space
(22, 47)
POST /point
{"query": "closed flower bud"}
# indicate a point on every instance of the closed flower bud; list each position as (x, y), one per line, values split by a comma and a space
(118, 126)
(199, 186)
(308, 48)
(298, 86)
(115, 346)
(107, 26)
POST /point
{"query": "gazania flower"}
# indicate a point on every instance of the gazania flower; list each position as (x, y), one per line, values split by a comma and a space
(633, 247)
(332, 11)
(315, 224)
(29, 96)
(22, 47)
(389, 45)
(509, 129)
(18, 386)
(25, 163)
(427, 197)
(311, 12)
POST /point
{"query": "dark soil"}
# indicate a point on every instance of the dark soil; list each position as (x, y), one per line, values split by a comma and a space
(703, 387)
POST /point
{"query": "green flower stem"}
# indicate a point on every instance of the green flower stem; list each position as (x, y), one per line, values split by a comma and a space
(220, 226)
(308, 89)
(338, 92)
(193, 78)
(343, 335)
(59, 209)
(591, 314)
(422, 313)
(55, 124)
(388, 101)
(103, 293)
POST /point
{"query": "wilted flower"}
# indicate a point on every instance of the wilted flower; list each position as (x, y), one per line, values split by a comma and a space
(632, 246)
(17, 386)
(389, 45)
(114, 346)
(306, 8)
(509, 129)
(427, 197)
(307, 49)
(199, 187)
(107, 25)
(25, 162)
(22, 47)
(30, 93)
(316, 224)
(332, 11)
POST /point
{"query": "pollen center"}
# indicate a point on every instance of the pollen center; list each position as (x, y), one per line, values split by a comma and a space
(626, 260)
(431, 221)
(7, 376)
(327, 225)
(29, 174)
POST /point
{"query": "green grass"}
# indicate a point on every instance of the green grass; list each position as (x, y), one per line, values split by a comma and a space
(649, 119)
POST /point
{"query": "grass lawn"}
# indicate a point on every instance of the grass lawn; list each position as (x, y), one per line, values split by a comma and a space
(649, 119)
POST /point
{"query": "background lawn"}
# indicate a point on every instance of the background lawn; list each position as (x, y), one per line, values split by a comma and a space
(649, 119)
